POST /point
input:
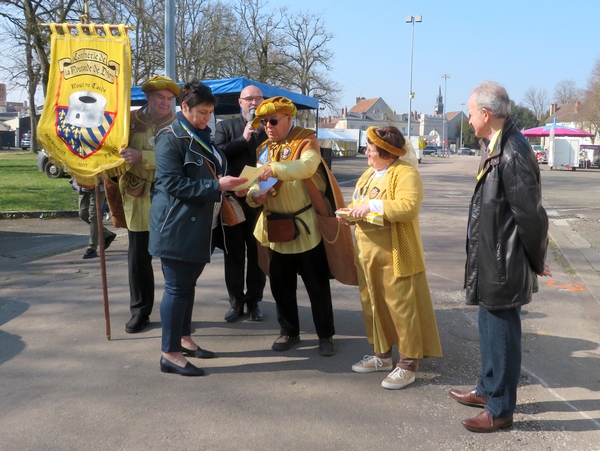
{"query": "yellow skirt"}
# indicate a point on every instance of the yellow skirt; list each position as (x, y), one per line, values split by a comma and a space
(397, 310)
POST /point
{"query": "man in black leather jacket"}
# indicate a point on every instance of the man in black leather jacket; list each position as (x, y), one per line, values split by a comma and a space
(507, 237)
(238, 140)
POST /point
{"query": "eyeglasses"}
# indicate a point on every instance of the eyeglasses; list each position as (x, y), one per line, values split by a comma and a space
(273, 122)
(252, 99)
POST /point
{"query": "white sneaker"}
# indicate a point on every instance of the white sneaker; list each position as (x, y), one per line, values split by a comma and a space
(371, 363)
(398, 378)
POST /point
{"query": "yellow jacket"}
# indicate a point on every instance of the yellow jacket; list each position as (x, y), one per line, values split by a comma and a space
(401, 191)
(142, 138)
(292, 194)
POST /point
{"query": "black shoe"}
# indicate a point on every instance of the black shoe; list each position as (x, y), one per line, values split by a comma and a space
(108, 241)
(326, 347)
(136, 324)
(255, 313)
(167, 366)
(285, 342)
(90, 253)
(234, 313)
(199, 353)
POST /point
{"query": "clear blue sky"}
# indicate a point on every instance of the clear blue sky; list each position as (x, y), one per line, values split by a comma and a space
(520, 44)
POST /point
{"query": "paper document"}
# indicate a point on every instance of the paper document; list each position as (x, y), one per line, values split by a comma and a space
(265, 186)
(373, 218)
(251, 173)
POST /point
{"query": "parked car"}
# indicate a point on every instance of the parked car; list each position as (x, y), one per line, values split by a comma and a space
(25, 141)
(45, 165)
(542, 156)
(429, 150)
(466, 151)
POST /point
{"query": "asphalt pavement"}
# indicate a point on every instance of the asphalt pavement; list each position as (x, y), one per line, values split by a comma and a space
(64, 386)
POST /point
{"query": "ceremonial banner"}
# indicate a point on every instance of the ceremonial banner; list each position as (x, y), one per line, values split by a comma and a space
(85, 121)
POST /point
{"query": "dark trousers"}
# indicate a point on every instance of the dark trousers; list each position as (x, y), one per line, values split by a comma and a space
(87, 213)
(141, 275)
(242, 247)
(178, 301)
(314, 270)
(500, 347)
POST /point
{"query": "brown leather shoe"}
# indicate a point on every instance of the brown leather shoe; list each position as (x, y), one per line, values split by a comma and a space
(468, 398)
(484, 422)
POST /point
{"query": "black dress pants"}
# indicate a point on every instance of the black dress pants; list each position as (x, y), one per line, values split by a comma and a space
(241, 259)
(141, 275)
(314, 270)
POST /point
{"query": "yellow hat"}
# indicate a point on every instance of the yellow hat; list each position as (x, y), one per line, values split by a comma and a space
(383, 144)
(160, 82)
(274, 105)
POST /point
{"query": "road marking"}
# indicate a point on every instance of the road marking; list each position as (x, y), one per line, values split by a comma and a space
(565, 286)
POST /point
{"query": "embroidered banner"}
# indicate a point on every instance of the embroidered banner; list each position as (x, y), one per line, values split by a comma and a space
(85, 121)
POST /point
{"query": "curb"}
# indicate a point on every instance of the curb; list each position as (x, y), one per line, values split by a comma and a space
(41, 214)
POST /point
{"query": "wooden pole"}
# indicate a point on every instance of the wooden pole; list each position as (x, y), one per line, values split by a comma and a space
(102, 259)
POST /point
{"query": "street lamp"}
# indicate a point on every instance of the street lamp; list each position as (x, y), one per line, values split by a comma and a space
(445, 77)
(411, 94)
(462, 119)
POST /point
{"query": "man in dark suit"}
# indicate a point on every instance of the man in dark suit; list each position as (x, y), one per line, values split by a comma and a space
(238, 140)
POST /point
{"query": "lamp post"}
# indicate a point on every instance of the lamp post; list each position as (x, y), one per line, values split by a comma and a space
(462, 119)
(411, 94)
(445, 77)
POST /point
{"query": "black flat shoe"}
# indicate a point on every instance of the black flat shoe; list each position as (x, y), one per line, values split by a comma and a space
(255, 313)
(234, 313)
(108, 241)
(198, 353)
(136, 324)
(167, 366)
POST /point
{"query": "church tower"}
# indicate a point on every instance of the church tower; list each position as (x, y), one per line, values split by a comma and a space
(439, 103)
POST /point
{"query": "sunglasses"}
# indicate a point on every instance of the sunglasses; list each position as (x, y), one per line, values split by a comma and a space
(250, 99)
(273, 122)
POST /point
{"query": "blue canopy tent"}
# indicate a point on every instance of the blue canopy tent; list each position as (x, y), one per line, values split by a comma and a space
(228, 91)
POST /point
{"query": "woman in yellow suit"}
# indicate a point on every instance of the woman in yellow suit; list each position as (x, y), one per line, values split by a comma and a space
(395, 296)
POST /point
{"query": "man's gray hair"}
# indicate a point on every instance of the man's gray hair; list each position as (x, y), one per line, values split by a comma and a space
(493, 97)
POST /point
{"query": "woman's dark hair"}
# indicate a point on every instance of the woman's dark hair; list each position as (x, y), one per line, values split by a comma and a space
(390, 135)
(195, 92)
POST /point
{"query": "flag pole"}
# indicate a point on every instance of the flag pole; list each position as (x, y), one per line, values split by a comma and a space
(99, 217)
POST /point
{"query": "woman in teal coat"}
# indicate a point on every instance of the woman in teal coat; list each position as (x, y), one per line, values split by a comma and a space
(185, 210)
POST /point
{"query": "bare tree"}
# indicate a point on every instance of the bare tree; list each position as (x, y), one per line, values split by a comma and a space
(147, 18)
(22, 18)
(566, 91)
(307, 52)
(537, 101)
(591, 102)
(264, 39)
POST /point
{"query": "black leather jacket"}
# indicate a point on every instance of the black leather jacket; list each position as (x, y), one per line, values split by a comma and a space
(507, 235)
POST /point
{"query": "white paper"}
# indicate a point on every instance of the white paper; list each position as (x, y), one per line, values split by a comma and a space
(265, 186)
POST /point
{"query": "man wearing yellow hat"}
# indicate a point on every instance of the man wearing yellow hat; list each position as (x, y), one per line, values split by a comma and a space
(135, 186)
(292, 155)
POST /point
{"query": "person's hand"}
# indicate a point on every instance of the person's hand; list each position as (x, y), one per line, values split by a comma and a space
(228, 182)
(131, 156)
(360, 211)
(546, 272)
(248, 131)
(242, 192)
(339, 218)
(266, 174)
(260, 199)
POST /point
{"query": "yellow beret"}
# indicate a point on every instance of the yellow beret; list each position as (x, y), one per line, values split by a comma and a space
(274, 105)
(160, 82)
(383, 144)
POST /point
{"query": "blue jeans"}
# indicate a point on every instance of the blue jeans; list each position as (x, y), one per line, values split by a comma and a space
(500, 347)
(178, 301)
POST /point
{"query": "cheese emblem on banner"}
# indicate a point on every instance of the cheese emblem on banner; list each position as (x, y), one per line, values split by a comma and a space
(85, 121)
